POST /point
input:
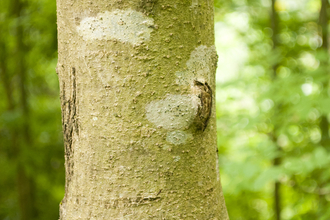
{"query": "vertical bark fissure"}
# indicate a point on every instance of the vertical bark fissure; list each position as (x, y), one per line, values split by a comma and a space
(69, 123)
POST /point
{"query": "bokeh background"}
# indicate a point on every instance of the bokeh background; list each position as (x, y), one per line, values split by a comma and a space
(273, 109)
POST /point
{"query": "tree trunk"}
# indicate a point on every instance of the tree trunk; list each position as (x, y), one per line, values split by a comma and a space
(324, 64)
(324, 33)
(278, 159)
(138, 110)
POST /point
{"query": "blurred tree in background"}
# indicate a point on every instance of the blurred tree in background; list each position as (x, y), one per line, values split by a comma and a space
(272, 100)
(31, 148)
(273, 108)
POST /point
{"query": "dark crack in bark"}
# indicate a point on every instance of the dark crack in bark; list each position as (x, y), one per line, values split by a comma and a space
(205, 107)
(69, 123)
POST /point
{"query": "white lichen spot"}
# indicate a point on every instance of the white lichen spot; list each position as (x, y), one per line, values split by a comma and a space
(123, 25)
(201, 64)
(175, 112)
(180, 77)
(178, 137)
(194, 3)
(176, 158)
(201, 60)
(166, 147)
(95, 118)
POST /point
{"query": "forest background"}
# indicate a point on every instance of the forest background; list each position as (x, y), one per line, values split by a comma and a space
(273, 105)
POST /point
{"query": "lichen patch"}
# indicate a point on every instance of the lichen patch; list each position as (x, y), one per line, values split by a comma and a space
(123, 25)
(194, 3)
(178, 137)
(201, 63)
(175, 112)
(176, 158)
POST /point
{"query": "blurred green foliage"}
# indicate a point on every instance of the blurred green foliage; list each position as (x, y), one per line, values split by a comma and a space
(272, 104)
(31, 146)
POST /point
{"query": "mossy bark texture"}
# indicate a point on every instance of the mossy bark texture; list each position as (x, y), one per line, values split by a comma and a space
(137, 80)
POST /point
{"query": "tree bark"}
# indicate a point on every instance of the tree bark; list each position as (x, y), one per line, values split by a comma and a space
(137, 82)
